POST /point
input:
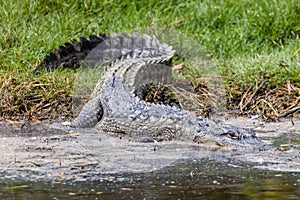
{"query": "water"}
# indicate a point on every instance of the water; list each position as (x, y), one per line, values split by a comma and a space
(205, 180)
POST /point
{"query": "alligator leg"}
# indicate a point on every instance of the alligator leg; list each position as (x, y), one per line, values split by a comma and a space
(90, 114)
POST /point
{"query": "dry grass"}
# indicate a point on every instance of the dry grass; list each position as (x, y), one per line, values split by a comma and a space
(269, 102)
(35, 98)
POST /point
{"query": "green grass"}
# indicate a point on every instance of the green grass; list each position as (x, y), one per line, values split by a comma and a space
(248, 40)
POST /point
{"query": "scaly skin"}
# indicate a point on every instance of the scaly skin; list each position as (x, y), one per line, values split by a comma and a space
(125, 113)
(128, 55)
(130, 62)
(140, 59)
(70, 54)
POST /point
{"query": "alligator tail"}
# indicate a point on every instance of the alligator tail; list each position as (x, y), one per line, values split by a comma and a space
(129, 56)
(71, 54)
(120, 47)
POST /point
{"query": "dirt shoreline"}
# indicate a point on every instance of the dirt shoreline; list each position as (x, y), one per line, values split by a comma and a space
(40, 151)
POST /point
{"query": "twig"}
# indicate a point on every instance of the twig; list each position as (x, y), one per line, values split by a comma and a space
(291, 111)
(244, 97)
(254, 93)
(270, 105)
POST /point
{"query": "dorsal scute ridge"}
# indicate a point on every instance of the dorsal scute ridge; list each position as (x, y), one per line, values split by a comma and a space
(126, 52)
(120, 46)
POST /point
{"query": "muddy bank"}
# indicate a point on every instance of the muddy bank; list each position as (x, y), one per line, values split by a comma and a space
(39, 151)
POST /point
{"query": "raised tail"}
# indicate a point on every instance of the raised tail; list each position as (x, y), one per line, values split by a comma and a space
(71, 54)
(120, 47)
(129, 56)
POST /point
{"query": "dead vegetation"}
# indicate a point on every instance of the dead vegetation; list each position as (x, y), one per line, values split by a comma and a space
(49, 97)
(36, 98)
(269, 102)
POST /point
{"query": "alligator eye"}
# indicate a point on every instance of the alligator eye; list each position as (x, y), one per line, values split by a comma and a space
(232, 135)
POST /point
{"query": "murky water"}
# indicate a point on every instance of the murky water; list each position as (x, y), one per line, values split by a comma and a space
(205, 180)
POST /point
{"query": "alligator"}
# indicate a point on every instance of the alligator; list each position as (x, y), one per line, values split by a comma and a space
(130, 62)
(125, 113)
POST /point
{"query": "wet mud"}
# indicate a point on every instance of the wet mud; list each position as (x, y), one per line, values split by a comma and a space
(39, 151)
